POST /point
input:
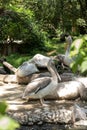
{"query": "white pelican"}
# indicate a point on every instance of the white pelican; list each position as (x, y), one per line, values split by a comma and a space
(41, 87)
(27, 70)
(32, 66)
(66, 59)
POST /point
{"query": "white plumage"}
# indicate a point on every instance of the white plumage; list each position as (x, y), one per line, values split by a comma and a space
(26, 69)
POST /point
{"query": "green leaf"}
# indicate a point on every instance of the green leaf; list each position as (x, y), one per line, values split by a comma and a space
(73, 67)
(84, 66)
(85, 37)
(3, 107)
(6, 123)
(76, 45)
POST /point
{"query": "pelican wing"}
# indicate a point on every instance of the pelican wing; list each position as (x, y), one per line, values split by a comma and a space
(43, 85)
(36, 85)
(26, 69)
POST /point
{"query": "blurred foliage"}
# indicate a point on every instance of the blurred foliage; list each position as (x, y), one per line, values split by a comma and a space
(52, 49)
(79, 51)
(39, 24)
(17, 59)
(3, 107)
(81, 22)
(6, 123)
(36, 22)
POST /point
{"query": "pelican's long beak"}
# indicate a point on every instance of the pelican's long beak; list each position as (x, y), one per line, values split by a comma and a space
(57, 74)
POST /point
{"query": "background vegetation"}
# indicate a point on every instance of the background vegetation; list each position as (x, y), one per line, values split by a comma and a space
(39, 24)
(6, 123)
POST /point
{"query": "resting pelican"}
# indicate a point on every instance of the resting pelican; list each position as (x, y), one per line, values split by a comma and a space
(41, 87)
(66, 59)
(31, 67)
(29, 71)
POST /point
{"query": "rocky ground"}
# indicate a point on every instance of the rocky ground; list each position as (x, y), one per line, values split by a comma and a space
(57, 114)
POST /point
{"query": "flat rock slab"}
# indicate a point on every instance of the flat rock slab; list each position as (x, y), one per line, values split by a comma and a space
(31, 112)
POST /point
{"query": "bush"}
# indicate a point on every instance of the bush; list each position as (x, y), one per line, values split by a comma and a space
(79, 51)
(6, 123)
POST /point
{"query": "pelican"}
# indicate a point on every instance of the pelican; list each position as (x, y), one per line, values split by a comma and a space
(27, 70)
(41, 87)
(33, 65)
(66, 59)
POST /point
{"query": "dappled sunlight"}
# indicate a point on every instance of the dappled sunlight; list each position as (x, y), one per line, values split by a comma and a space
(21, 105)
(11, 91)
(3, 89)
(13, 107)
(8, 78)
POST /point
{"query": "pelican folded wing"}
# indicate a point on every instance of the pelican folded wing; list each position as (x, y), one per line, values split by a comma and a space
(26, 69)
(35, 85)
(43, 85)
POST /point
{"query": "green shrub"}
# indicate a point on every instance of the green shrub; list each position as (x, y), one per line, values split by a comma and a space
(6, 123)
(79, 51)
